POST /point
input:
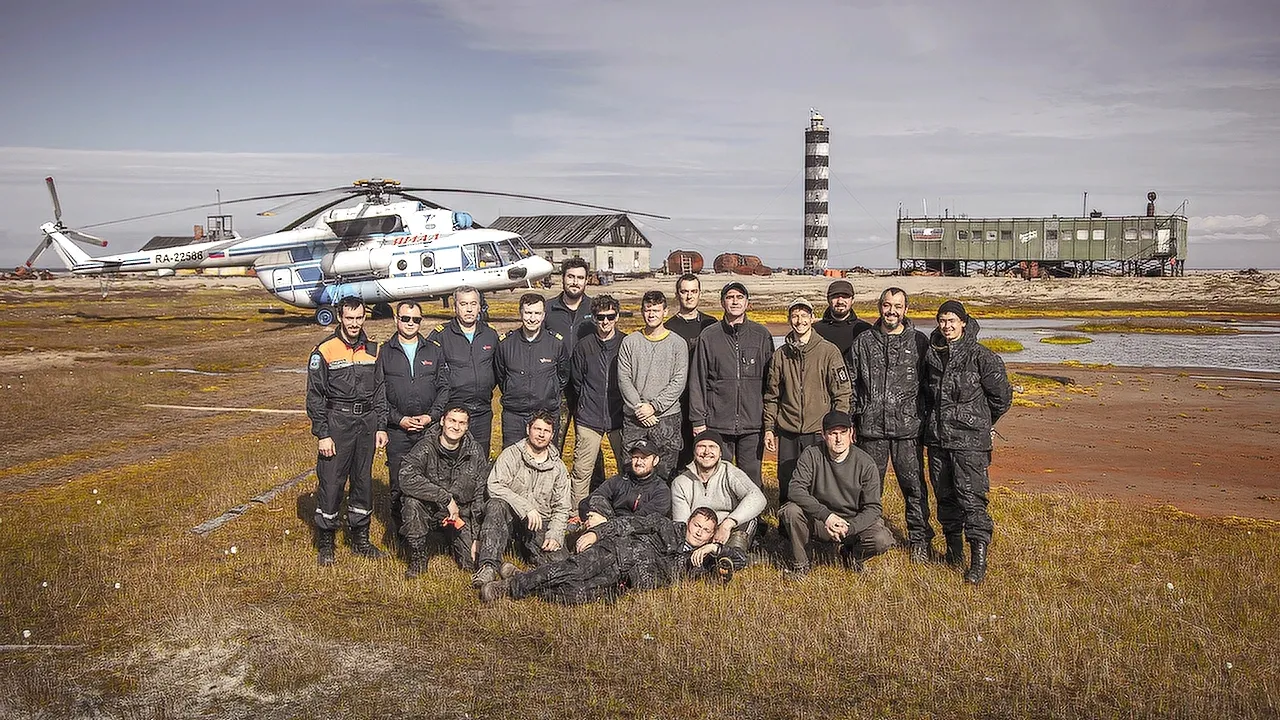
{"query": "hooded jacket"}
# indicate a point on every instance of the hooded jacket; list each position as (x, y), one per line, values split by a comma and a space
(431, 476)
(526, 484)
(967, 390)
(887, 374)
(841, 333)
(726, 383)
(805, 382)
(625, 494)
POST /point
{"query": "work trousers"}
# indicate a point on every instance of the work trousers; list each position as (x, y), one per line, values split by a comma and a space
(422, 519)
(591, 575)
(480, 425)
(746, 451)
(665, 436)
(501, 526)
(961, 485)
(908, 466)
(352, 463)
(790, 445)
(399, 443)
(586, 456)
(800, 527)
(742, 536)
(515, 427)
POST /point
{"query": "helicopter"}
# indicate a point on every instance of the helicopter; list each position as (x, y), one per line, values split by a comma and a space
(392, 245)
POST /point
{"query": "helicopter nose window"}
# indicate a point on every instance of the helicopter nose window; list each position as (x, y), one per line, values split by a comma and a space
(510, 252)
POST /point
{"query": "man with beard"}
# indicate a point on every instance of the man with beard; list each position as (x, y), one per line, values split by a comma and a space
(807, 379)
(726, 383)
(348, 412)
(469, 347)
(887, 364)
(713, 483)
(443, 485)
(528, 501)
(966, 392)
(840, 324)
(533, 370)
(688, 323)
(635, 490)
(835, 496)
(416, 383)
(639, 552)
(653, 364)
(569, 314)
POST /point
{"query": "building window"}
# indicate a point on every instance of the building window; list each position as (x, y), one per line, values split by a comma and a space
(565, 251)
(1050, 234)
(1099, 234)
(962, 234)
(991, 236)
(637, 259)
(1006, 235)
(1147, 234)
(1082, 234)
(1131, 233)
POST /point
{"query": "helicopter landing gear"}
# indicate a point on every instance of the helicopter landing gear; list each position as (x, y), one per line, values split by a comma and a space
(325, 315)
(381, 311)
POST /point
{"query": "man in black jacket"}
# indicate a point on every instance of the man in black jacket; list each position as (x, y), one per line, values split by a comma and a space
(469, 347)
(593, 379)
(443, 484)
(688, 322)
(635, 490)
(640, 552)
(967, 391)
(727, 381)
(533, 370)
(887, 365)
(840, 324)
(835, 495)
(416, 383)
(569, 314)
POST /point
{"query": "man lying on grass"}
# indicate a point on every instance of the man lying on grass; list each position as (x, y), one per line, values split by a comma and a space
(640, 552)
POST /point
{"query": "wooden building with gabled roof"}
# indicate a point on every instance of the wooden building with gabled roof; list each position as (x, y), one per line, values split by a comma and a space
(609, 243)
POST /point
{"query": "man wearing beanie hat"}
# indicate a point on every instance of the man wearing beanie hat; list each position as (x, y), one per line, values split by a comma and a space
(966, 392)
(835, 496)
(807, 378)
(887, 365)
(726, 381)
(840, 324)
(709, 481)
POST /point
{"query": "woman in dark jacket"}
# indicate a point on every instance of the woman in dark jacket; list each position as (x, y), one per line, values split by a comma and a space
(966, 392)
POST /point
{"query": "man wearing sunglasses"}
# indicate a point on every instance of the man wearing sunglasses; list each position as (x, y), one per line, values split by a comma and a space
(593, 377)
(416, 383)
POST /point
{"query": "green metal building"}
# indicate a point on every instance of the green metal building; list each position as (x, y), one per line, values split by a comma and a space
(1067, 246)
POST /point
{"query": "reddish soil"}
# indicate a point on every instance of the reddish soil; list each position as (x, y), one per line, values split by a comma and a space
(1199, 440)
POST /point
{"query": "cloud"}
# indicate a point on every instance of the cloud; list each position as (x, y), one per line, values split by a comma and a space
(1218, 229)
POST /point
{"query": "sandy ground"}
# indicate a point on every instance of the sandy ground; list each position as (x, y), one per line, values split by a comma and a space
(1197, 440)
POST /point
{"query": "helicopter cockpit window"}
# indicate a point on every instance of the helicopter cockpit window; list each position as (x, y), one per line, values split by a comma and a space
(483, 255)
(360, 227)
(510, 254)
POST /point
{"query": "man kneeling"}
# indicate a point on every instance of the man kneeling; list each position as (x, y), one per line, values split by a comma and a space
(442, 485)
(640, 552)
(835, 494)
(528, 501)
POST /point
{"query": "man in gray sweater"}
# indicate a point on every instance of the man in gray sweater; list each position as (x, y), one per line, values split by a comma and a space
(711, 482)
(653, 363)
(835, 495)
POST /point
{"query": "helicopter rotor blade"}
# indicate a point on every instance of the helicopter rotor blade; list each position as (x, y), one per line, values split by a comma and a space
(84, 237)
(520, 196)
(53, 193)
(298, 223)
(275, 209)
(275, 196)
(422, 200)
(44, 245)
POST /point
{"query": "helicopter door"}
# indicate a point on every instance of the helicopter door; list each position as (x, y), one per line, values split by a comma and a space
(281, 279)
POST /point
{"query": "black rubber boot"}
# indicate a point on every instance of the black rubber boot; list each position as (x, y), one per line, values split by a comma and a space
(361, 546)
(977, 563)
(919, 552)
(955, 550)
(324, 548)
(417, 560)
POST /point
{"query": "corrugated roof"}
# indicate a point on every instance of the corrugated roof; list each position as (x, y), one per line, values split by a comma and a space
(573, 230)
(163, 242)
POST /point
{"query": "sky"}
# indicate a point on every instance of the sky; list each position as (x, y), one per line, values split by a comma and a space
(694, 109)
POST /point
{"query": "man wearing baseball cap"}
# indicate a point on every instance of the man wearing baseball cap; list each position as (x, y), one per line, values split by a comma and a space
(835, 496)
(726, 382)
(840, 324)
(635, 490)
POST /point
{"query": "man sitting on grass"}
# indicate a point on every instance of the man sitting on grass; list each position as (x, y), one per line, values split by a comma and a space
(636, 490)
(640, 552)
(711, 482)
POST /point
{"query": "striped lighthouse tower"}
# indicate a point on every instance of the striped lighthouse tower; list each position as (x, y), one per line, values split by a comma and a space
(817, 162)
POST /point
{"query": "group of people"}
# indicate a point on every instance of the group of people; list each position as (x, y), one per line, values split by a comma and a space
(689, 404)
